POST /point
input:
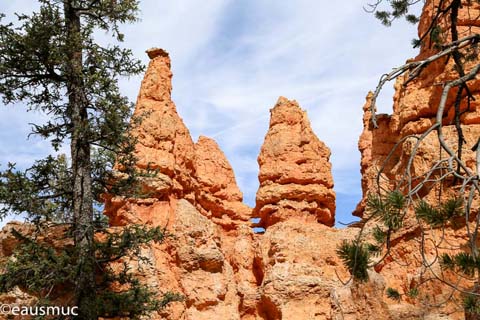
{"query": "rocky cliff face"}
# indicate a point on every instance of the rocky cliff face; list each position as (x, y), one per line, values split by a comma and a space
(224, 270)
(291, 271)
(415, 106)
(195, 195)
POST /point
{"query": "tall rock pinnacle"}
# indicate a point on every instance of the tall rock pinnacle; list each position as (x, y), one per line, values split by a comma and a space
(194, 195)
(164, 142)
(199, 172)
(295, 172)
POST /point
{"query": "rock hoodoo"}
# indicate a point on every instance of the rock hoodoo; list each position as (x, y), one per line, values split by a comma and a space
(295, 172)
(224, 270)
(194, 194)
(164, 142)
(292, 271)
(217, 193)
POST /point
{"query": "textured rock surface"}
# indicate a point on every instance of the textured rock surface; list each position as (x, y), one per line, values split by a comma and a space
(217, 192)
(414, 109)
(292, 271)
(223, 269)
(195, 196)
(197, 172)
(302, 273)
(164, 143)
(295, 172)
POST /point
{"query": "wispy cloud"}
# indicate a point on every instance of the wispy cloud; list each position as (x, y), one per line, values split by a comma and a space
(232, 59)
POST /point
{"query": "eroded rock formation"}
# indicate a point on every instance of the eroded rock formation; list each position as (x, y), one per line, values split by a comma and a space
(195, 195)
(415, 106)
(295, 172)
(292, 271)
(217, 192)
(225, 270)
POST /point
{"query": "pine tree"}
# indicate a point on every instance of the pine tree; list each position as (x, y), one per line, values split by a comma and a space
(50, 61)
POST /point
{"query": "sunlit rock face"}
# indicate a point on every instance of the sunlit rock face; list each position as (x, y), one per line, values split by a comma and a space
(415, 106)
(295, 173)
(223, 269)
(291, 271)
(195, 196)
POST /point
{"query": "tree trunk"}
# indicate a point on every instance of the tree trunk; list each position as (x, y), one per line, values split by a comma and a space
(81, 167)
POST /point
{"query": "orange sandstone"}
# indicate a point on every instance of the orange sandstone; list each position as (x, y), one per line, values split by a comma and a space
(295, 172)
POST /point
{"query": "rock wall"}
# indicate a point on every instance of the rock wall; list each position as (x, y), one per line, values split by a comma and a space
(292, 271)
(415, 105)
(223, 269)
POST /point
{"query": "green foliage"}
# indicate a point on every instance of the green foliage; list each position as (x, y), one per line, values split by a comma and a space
(384, 17)
(50, 272)
(43, 191)
(416, 43)
(355, 254)
(430, 215)
(436, 35)
(466, 263)
(472, 53)
(375, 205)
(447, 262)
(379, 235)
(38, 268)
(389, 209)
(128, 241)
(444, 213)
(393, 294)
(396, 200)
(356, 257)
(413, 293)
(50, 61)
(373, 249)
(471, 304)
(413, 19)
(462, 262)
(452, 208)
(398, 9)
(34, 70)
(133, 303)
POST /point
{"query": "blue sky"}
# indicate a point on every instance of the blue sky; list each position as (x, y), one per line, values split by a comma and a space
(232, 59)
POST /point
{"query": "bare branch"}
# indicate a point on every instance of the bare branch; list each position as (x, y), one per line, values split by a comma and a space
(416, 67)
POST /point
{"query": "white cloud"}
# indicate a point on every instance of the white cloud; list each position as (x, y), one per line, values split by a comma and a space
(232, 59)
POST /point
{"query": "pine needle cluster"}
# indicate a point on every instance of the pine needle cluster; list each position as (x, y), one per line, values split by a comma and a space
(356, 258)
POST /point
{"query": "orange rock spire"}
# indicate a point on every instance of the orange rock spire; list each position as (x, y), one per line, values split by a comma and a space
(295, 172)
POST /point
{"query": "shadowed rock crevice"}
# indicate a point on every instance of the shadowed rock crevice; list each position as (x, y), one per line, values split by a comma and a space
(268, 310)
